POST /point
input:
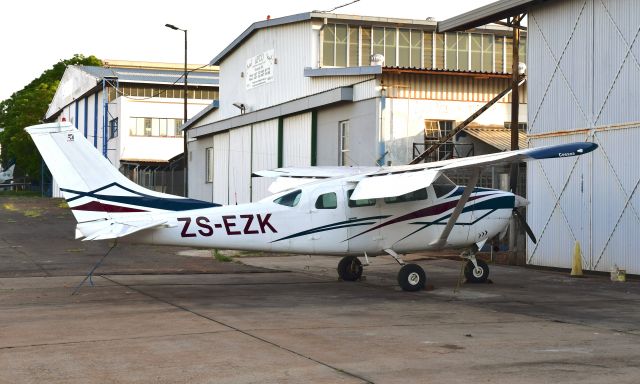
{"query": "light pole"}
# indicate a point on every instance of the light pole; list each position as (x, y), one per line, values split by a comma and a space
(184, 133)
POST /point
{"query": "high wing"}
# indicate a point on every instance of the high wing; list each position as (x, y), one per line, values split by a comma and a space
(292, 177)
(397, 180)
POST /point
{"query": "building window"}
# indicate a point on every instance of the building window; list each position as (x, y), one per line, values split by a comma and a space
(155, 127)
(434, 130)
(113, 128)
(208, 156)
(349, 45)
(522, 127)
(343, 142)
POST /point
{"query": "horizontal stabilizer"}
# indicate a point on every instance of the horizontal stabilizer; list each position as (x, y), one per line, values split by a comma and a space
(110, 229)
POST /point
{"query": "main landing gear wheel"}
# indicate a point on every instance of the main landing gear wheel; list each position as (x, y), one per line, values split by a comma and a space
(478, 274)
(411, 277)
(350, 268)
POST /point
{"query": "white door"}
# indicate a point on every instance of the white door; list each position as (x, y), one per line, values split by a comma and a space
(328, 221)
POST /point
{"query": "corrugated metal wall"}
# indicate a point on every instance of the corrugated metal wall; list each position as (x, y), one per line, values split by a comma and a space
(585, 75)
(264, 155)
(221, 168)
(240, 165)
(447, 87)
(296, 151)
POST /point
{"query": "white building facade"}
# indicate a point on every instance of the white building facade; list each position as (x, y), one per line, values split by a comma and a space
(302, 90)
(584, 72)
(132, 112)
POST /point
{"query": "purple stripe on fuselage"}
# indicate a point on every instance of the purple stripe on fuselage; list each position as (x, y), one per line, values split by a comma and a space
(97, 206)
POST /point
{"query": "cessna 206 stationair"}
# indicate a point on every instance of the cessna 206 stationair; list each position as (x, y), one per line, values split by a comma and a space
(346, 211)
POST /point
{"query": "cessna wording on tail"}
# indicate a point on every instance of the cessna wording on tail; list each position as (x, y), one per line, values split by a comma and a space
(347, 211)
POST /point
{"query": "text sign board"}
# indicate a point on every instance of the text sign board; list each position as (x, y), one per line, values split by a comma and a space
(259, 70)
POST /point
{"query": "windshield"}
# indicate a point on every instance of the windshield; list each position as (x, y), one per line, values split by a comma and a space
(291, 199)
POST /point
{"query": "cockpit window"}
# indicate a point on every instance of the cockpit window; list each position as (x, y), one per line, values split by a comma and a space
(420, 194)
(327, 201)
(443, 185)
(291, 199)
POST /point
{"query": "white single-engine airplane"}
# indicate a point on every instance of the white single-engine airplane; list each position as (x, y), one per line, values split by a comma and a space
(7, 174)
(347, 211)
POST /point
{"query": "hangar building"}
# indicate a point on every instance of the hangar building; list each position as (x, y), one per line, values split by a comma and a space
(132, 112)
(329, 89)
(584, 77)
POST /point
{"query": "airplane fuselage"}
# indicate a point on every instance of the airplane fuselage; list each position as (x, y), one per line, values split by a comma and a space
(320, 219)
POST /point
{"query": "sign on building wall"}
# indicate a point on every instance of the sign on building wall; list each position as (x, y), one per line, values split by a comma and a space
(259, 69)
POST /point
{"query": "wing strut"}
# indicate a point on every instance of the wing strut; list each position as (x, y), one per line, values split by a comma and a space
(468, 189)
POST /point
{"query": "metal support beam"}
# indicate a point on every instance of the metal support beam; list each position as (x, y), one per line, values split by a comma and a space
(468, 190)
(465, 123)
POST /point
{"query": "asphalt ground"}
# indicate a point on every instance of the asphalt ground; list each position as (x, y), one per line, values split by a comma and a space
(174, 315)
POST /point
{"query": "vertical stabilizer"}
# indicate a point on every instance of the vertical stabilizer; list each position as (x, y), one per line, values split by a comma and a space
(93, 187)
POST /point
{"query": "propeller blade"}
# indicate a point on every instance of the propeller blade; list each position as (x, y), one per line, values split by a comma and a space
(526, 226)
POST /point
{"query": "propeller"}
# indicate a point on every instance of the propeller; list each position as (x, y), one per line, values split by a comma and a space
(525, 225)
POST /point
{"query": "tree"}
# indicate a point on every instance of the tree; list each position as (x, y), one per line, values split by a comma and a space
(28, 107)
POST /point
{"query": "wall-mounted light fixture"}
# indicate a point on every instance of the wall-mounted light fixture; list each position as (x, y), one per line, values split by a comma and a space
(241, 107)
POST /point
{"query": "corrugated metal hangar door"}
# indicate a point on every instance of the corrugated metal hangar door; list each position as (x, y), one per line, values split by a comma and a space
(585, 58)
(296, 151)
(264, 155)
(221, 168)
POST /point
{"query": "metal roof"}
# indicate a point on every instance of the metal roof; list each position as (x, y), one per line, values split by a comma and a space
(152, 75)
(487, 14)
(497, 136)
(442, 71)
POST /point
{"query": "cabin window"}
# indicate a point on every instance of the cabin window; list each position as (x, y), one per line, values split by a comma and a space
(443, 185)
(359, 203)
(291, 199)
(420, 194)
(327, 201)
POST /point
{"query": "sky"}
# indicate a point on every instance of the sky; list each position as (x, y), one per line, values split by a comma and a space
(36, 34)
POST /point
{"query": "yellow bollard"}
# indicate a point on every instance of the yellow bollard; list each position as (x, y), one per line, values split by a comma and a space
(576, 265)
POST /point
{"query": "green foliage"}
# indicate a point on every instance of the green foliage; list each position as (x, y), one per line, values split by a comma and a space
(27, 107)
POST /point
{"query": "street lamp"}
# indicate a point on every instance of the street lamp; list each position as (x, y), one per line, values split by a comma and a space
(184, 133)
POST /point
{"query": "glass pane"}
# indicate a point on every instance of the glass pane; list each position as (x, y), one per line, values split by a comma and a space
(147, 126)
(404, 43)
(359, 203)
(328, 44)
(291, 199)
(508, 54)
(487, 53)
(420, 194)
(327, 201)
(476, 52)
(163, 127)
(499, 57)
(390, 47)
(341, 45)
(416, 49)
(439, 51)
(354, 52)
(365, 54)
(427, 55)
(451, 54)
(463, 51)
(155, 127)
(378, 40)
(132, 126)
(522, 52)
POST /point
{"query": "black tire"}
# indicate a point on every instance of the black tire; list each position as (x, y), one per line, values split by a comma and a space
(411, 277)
(350, 268)
(476, 275)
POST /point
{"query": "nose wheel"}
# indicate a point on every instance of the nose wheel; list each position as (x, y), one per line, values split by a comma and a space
(476, 273)
(350, 268)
